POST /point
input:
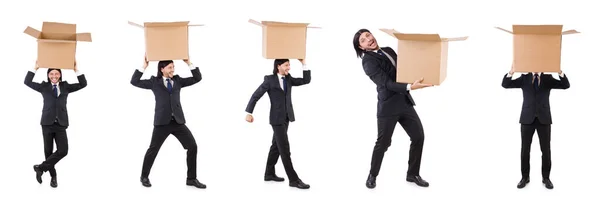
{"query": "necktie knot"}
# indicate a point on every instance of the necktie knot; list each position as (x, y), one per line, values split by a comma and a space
(380, 52)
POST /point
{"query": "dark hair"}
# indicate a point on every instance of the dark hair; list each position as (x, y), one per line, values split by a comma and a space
(48, 73)
(278, 62)
(162, 64)
(355, 41)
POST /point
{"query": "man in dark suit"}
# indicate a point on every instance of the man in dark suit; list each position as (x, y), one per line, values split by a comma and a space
(394, 105)
(535, 116)
(55, 118)
(168, 115)
(279, 87)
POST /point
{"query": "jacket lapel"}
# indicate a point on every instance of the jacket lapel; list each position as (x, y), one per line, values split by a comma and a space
(387, 50)
(162, 83)
(276, 79)
(61, 87)
(378, 56)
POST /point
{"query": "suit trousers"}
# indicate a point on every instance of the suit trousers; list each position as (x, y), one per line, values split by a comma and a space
(543, 131)
(185, 137)
(280, 146)
(54, 133)
(411, 123)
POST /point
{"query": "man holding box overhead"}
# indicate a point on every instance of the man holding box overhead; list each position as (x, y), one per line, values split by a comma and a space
(395, 105)
(279, 87)
(55, 118)
(535, 116)
(168, 115)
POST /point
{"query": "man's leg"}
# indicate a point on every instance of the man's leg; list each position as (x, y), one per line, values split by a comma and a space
(385, 130)
(272, 157)
(187, 140)
(413, 127)
(159, 135)
(527, 131)
(62, 148)
(283, 145)
(543, 131)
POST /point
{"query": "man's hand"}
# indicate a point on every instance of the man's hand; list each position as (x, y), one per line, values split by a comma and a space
(418, 85)
(187, 61)
(249, 118)
(145, 62)
(302, 61)
(75, 66)
(512, 69)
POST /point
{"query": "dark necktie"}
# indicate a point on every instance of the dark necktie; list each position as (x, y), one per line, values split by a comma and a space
(536, 82)
(55, 90)
(380, 52)
(169, 85)
(284, 84)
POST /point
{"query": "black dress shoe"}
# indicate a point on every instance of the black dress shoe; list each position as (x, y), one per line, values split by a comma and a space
(38, 173)
(418, 180)
(523, 182)
(53, 182)
(299, 184)
(146, 182)
(548, 183)
(274, 178)
(371, 181)
(195, 183)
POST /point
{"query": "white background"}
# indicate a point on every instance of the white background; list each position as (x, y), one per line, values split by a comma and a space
(472, 143)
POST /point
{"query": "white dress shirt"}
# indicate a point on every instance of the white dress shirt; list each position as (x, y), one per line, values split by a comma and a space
(533, 79)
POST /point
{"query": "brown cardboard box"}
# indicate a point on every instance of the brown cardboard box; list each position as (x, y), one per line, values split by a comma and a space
(57, 44)
(282, 40)
(421, 56)
(166, 40)
(537, 48)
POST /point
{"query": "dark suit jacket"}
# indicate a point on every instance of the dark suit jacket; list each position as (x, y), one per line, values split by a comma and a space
(167, 104)
(536, 103)
(393, 97)
(281, 102)
(55, 108)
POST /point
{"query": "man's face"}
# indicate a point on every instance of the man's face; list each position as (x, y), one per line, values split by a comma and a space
(54, 76)
(284, 68)
(168, 70)
(367, 42)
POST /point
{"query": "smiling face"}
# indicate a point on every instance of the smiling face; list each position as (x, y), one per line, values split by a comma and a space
(368, 42)
(54, 76)
(168, 70)
(284, 68)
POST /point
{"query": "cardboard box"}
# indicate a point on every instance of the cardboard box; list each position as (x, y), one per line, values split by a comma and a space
(421, 56)
(57, 44)
(283, 40)
(166, 40)
(537, 48)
